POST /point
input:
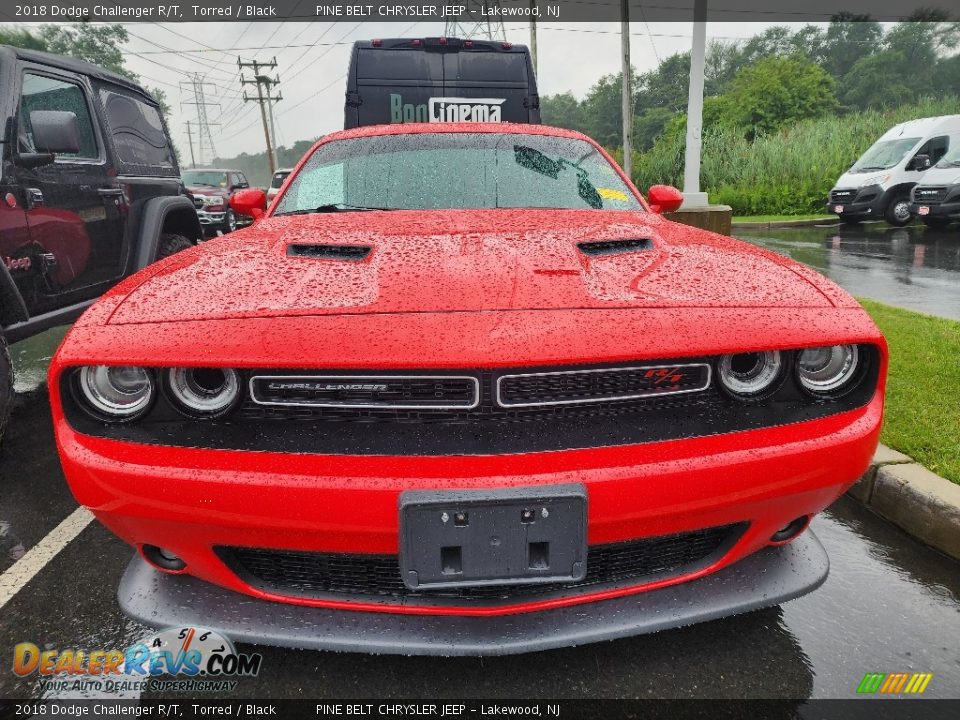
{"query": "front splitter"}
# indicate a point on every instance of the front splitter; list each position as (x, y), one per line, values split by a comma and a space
(768, 577)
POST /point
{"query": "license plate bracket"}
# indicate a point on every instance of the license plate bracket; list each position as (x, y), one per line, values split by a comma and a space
(469, 538)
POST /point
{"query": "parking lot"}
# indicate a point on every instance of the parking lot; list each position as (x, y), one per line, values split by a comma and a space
(889, 605)
(914, 267)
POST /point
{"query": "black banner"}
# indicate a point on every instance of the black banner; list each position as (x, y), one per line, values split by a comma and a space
(522, 11)
(453, 709)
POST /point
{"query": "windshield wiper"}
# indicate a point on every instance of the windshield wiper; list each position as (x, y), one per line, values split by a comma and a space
(333, 207)
(870, 168)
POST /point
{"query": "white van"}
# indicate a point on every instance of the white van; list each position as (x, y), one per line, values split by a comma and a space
(936, 200)
(879, 183)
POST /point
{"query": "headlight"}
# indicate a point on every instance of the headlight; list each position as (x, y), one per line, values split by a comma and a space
(116, 392)
(826, 370)
(206, 392)
(751, 376)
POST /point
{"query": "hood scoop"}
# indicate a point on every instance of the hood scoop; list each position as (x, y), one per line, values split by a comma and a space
(615, 247)
(329, 252)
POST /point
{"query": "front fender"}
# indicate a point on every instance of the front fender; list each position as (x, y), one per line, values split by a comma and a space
(174, 214)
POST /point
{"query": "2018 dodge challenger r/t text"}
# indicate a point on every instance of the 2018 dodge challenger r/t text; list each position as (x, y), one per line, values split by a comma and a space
(463, 390)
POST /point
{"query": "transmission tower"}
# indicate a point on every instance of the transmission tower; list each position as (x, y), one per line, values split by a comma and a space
(206, 151)
(266, 98)
(472, 23)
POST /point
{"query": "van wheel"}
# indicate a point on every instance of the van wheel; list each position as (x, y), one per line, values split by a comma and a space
(898, 211)
(171, 244)
(6, 385)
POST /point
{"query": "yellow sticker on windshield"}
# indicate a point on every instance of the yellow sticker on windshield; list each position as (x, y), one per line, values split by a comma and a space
(611, 194)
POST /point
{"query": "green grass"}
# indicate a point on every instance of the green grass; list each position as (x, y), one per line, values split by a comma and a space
(780, 218)
(922, 417)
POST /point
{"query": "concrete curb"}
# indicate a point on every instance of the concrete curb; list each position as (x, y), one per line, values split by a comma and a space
(923, 504)
(764, 225)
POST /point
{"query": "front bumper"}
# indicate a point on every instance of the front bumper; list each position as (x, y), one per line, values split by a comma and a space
(938, 211)
(769, 577)
(859, 203)
(190, 501)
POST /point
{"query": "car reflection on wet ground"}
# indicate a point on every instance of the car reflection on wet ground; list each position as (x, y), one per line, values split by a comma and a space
(889, 605)
(915, 267)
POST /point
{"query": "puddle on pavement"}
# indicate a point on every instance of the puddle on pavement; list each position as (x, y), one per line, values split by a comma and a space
(914, 267)
(32, 356)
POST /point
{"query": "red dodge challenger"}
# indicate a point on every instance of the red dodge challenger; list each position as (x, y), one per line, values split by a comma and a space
(462, 390)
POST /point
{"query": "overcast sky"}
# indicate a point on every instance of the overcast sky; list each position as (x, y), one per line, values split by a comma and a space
(312, 61)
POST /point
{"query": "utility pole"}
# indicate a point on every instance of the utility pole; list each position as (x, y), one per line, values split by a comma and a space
(193, 163)
(533, 35)
(262, 81)
(273, 122)
(626, 90)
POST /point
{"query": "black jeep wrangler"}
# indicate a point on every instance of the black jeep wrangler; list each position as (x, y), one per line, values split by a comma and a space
(90, 192)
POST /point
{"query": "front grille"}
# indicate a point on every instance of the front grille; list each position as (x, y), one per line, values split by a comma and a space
(443, 425)
(394, 392)
(842, 196)
(585, 386)
(488, 412)
(377, 577)
(929, 195)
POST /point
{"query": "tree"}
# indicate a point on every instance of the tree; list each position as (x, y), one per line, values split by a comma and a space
(603, 112)
(923, 37)
(97, 44)
(649, 125)
(563, 110)
(776, 92)
(878, 81)
(21, 38)
(665, 87)
(849, 38)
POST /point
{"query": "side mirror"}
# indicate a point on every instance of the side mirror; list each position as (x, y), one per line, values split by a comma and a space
(920, 162)
(55, 131)
(664, 198)
(33, 160)
(251, 202)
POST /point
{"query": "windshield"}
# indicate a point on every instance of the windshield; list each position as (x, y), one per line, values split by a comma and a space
(951, 159)
(884, 154)
(212, 178)
(278, 178)
(432, 171)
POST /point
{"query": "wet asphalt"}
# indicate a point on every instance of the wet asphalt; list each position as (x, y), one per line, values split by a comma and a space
(890, 604)
(913, 267)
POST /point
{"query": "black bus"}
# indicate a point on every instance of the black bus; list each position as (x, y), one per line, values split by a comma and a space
(440, 80)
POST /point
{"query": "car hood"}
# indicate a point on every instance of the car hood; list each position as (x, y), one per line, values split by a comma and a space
(206, 190)
(457, 261)
(941, 176)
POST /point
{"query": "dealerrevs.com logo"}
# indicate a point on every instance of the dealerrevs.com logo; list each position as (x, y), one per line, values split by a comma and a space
(196, 658)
